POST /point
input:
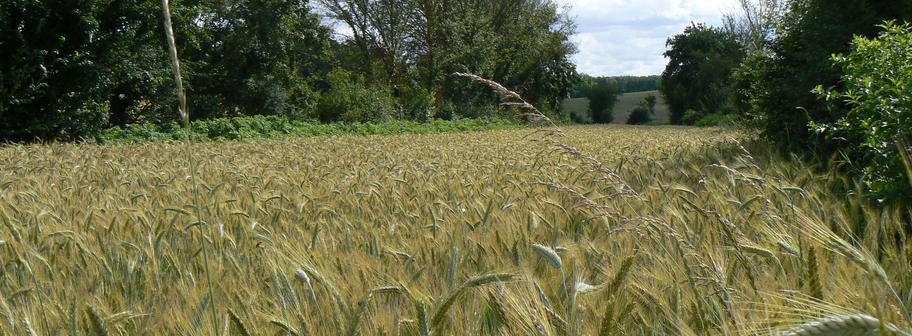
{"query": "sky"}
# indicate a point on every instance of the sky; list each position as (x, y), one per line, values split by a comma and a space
(624, 37)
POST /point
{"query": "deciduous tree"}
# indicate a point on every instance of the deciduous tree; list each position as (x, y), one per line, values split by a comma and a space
(699, 71)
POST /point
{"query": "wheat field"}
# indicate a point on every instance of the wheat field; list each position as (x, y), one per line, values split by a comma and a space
(616, 230)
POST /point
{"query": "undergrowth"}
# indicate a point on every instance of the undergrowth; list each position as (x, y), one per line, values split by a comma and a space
(274, 127)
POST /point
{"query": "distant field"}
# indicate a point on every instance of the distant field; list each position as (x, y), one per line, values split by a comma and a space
(626, 103)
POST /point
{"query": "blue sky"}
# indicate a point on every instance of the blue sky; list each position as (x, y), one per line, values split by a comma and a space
(622, 37)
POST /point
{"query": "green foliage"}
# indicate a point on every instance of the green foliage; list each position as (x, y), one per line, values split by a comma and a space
(280, 126)
(522, 44)
(141, 82)
(716, 119)
(628, 84)
(602, 98)
(779, 82)
(702, 119)
(624, 84)
(251, 57)
(691, 117)
(71, 68)
(639, 116)
(876, 87)
(74, 67)
(643, 113)
(350, 99)
(52, 79)
(580, 117)
(417, 103)
(650, 103)
(699, 71)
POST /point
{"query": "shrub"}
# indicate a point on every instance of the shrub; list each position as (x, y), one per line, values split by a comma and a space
(279, 126)
(691, 117)
(780, 79)
(417, 103)
(350, 99)
(877, 82)
(580, 118)
(716, 119)
(447, 111)
(644, 112)
(639, 116)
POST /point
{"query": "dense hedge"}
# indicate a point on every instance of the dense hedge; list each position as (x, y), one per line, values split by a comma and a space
(875, 92)
(276, 126)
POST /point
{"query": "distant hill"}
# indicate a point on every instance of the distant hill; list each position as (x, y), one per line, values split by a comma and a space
(626, 103)
(622, 84)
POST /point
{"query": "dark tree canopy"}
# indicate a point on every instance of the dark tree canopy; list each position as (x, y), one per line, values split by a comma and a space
(698, 75)
(53, 74)
(780, 82)
(71, 68)
(523, 44)
(602, 98)
(77, 66)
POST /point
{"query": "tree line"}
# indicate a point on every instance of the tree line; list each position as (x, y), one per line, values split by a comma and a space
(71, 68)
(618, 84)
(815, 76)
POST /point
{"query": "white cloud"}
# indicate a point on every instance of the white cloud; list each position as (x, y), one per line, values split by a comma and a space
(622, 37)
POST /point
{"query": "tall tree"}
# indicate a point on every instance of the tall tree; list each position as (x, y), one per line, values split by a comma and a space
(72, 67)
(252, 56)
(700, 66)
(521, 43)
(754, 22)
(52, 80)
(602, 99)
(780, 82)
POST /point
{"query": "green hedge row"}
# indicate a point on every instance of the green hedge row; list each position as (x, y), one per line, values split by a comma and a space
(276, 126)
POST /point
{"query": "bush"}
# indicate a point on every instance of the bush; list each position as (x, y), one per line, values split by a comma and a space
(691, 117)
(644, 111)
(417, 103)
(877, 82)
(639, 116)
(350, 99)
(279, 126)
(580, 118)
(716, 119)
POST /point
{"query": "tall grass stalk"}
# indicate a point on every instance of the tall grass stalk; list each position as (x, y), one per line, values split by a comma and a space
(905, 154)
(175, 66)
(185, 120)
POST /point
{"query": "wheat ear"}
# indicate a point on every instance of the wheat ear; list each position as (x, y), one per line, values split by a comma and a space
(553, 258)
(843, 325)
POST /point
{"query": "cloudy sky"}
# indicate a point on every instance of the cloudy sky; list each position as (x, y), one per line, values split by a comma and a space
(624, 37)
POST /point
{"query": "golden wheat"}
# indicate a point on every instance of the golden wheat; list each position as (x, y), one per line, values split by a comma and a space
(624, 230)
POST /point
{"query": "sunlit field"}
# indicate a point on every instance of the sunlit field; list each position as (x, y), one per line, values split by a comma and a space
(625, 104)
(633, 231)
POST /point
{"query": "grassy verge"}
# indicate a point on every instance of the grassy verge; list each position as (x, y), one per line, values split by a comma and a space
(275, 127)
